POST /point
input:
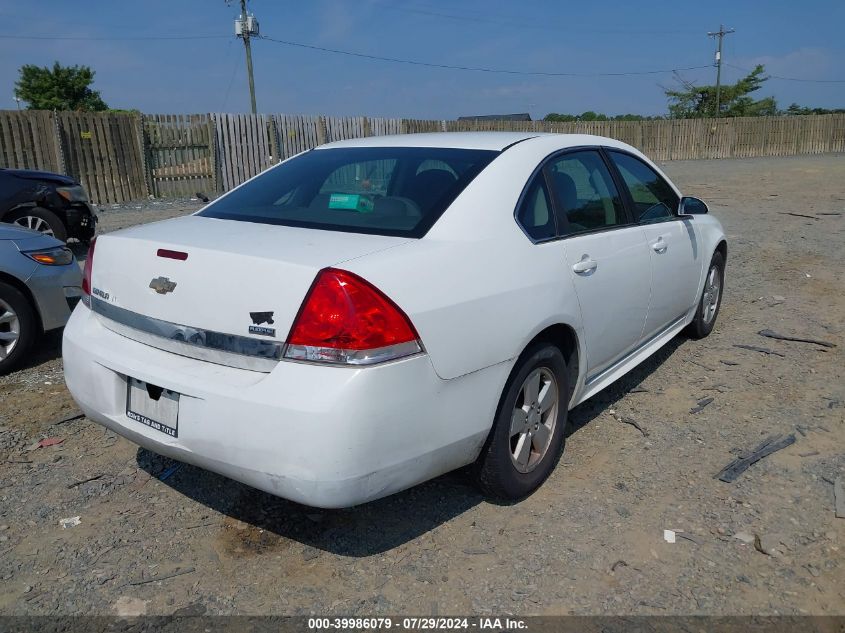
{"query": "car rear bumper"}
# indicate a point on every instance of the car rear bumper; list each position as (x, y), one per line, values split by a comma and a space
(322, 436)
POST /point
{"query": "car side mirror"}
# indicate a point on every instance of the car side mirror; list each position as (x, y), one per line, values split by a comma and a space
(692, 206)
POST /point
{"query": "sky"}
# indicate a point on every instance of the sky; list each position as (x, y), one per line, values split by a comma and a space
(587, 39)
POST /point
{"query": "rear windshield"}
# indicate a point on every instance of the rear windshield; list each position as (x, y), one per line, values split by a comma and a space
(380, 190)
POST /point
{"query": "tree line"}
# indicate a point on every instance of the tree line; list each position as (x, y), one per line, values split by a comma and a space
(696, 102)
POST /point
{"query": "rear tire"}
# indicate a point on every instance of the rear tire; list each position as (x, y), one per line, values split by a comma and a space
(528, 434)
(17, 327)
(41, 220)
(711, 299)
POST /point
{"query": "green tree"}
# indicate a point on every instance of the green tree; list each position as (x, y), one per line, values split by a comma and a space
(797, 110)
(58, 88)
(700, 101)
(589, 115)
(634, 117)
(560, 118)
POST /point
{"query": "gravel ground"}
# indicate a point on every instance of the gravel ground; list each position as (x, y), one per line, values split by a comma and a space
(154, 539)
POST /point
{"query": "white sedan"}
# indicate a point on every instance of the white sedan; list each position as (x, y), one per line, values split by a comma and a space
(373, 313)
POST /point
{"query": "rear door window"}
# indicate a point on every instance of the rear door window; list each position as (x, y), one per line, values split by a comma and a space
(586, 195)
(379, 190)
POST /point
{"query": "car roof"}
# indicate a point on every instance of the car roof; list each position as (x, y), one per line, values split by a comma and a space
(472, 140)
(458, 140)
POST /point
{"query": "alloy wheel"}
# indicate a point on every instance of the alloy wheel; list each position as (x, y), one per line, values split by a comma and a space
(712, 290)
(36, 224)
(533, 419)
(10, 329)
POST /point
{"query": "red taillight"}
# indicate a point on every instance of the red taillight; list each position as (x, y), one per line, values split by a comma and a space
(345, 319)
(86, 274)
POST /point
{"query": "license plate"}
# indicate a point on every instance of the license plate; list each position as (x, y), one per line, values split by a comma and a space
(154, 406)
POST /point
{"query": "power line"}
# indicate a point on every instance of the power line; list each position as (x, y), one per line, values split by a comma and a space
(231, 78)
(479, 69)
(513, 21)
(817, 81)
(397, 60)
(109, 39)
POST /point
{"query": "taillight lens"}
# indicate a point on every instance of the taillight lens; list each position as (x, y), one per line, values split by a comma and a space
(346, 320)
(86, 274)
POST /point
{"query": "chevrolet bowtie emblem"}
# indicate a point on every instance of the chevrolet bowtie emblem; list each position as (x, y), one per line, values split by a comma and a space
(162, 285)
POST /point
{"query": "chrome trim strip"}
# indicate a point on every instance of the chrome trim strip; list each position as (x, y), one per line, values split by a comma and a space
(215, 347)
(591, 379)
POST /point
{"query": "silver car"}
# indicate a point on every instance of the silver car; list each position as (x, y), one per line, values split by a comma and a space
(40, 283)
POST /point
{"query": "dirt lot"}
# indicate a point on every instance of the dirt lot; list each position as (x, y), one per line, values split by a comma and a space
(590, 541)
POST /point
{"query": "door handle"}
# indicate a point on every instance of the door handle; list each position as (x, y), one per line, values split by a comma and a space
(586, 265)
(660, 245)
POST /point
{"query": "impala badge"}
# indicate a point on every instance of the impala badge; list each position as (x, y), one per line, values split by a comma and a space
(162, 285)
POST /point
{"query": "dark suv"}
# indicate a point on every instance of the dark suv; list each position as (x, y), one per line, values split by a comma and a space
(50, 203)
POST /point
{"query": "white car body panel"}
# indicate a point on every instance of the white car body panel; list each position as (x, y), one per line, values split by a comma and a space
(463, 140)
(475, 287)
(481, 296)
(614, 298)
(243, 267)
(675, 268)
(320, 435)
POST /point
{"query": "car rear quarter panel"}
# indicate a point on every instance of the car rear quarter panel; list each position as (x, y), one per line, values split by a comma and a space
(475, 287)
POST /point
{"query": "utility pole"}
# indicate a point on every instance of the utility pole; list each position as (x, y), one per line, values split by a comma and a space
(244, 27)
(721, 35)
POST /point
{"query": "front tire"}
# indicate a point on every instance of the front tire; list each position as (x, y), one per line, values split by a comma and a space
(17, 327)
(711, 299)
(41, 220)
(528, 434)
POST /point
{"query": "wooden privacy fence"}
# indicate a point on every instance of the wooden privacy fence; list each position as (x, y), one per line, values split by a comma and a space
(127, 156)
(104, 152)
(179, 154)
(243, 147)
(28, 140)
(101, 150)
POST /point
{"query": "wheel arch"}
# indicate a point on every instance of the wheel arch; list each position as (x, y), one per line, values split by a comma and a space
(8, 212)
(21, 287)
(722, 247)
(565, 338)
(29, 204)
(34, 205)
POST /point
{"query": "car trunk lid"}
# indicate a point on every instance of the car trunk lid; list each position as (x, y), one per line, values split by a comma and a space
(240, 279)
